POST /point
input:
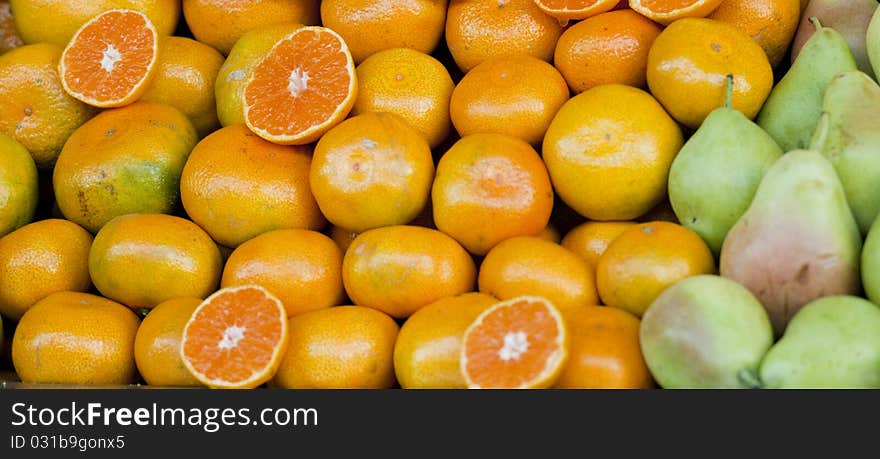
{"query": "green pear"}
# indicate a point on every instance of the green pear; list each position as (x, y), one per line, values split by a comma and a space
(848, 136)
(871, 263)
(849, 17)
(832, 343)
(705, 332)
(792, 110)
(872, 41)
(798, 240)
(714, 176)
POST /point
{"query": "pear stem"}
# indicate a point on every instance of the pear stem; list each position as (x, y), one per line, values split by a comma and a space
(728, 92)
(815, 21)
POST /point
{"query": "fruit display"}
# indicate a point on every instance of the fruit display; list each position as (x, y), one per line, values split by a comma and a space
(440, 194)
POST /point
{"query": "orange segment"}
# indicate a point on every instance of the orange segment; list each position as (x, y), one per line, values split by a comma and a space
(565, 10)
(305, 85)
(516, 344)
(236, 338)
(110, 59)
(667, 11)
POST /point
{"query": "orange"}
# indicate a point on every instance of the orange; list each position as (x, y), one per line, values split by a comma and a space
(667, 11)
(400, 269)
(477, 30)
(219, 23)
(39, 259)
(603, 351)
(142, 260)
(591, 239)
(609, 48)
(532, 266)
(236, 338)
(516, 96)
(157, 344)
(488, 188)
(771, 23)
(19, 185)
(9, 37)
(408, 83)
(236, 186)
(239, 66)
(76, 338)
(609, 151)
(35, 110)
(111, 59)
(646, 259)
(302, 268)
(126, 160)
(428, 348)
(688, 67)
(342, 237)
(566, 10)
(371, 170)
(304, 86)
(550, 233)
(370, 26)
(56, 21)
(184, 79)
(520, 343)
(346, 347)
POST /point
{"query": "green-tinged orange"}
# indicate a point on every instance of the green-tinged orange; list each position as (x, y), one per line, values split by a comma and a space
(591, 239)
(19, 185)
(157, 344)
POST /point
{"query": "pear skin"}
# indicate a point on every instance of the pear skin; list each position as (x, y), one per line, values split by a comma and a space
(871, 263)
(849, 17)
(872, 42)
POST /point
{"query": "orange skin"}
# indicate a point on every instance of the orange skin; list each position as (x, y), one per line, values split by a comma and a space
(370, 26)
(604, 49)
(400, 269)
(371, 170)
(142, 260)
(236, 186)
(19, 185)
(76, 338)
(302, 268)
(591, 239)
(342, 237)
(517, 96)
(428, 348)
(477, 30)
(488, 188)
(550, 234)
(771, 23)
(9, 37)
(532, 266)
(157, 344)
(604, 351)
(346, 347)
(646, 259)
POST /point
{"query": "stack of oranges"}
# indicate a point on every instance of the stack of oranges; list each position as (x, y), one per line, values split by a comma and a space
(354, 193)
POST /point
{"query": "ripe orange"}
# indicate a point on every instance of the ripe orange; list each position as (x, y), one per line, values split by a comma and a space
(408, 83)
(236, 338)
(477, 30)
(371, 170)
(604, 351)
(9, 37)
(532, 266)
(157, 344)
(609, 48)
(520, 343)
(609, 151)
(517, 96)
(220, 23)
(142, 260)
(35, 110)
(400, 269)
(667, 11)
(304, 86)
(550, 234)
(428, 348)
(688, 67)
(566, 10)
(646, 259)
(488, 188)
(19, 185)
(184, 79)
(591, 239)
(771, 23)
(236, 186)
(370, 26)
(111, 59)
(39, 259)
(342, 237)
(302, 268)
(76, 338)
(346, 347)
(126, 160)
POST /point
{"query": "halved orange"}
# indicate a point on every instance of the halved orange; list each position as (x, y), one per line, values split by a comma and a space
(111, 59)
(304, 86)
(236, 338)
(667, 11)
(566, 10)
(520, 343)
